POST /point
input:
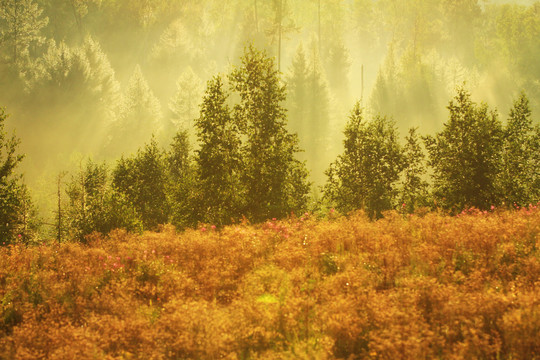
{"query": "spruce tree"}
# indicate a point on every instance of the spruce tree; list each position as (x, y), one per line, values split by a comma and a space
(465, 156)
(519, 149)
(219, 165)
(15, 205)
(21, 22)
(140, 116)
(366, 175)
(181, 182)
(415, 189)
(275, 180)
(142, 180)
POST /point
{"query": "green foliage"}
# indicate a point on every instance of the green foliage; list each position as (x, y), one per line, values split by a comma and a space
(181, 182)
(519, 171)
(94, 206)
(16, 221)
(21, 22)
(365, 176)
(414, 188)
(142, 179)
(219, 164)
(275, 181)
(465, 156)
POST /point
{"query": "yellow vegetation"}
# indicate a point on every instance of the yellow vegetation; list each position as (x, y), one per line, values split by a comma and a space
(415, 287)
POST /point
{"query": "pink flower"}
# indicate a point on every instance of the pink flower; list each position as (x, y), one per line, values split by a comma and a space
(203, 229)
(213, 227)
(492, 207)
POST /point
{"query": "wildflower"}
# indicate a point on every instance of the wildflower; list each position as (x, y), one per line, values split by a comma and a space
(203, 229)
(213, 227)
(492, 207)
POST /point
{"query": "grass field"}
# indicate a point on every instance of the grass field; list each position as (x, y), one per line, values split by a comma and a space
(403, 287)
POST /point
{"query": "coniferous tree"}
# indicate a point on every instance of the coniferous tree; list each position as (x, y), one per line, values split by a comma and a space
(365, 176)
(21, 22)
(184, 105)
(308, 101)
(15, 205)
(219, 190)
(275, 180)
(465, 156)
(94, 206)
(142, 180)
(181, 182)
(415, 189)
(140, 115)
(519, 148)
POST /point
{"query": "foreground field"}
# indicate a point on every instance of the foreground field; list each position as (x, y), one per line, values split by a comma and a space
(430, 287)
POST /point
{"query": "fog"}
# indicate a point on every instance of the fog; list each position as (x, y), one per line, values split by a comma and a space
(92, 78)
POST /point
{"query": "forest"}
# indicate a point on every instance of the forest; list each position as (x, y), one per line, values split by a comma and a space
(269, 179)
(132, 114)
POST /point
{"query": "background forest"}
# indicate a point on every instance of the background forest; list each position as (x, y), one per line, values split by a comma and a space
(100, 79)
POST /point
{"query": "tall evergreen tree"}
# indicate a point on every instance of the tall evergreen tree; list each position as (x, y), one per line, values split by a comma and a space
(366, 175)
(140, 116)
(21, 22)
(219, 190)
(519, 149)
(94, 206)
(308, 102)
(181, 182)
(184, 105)
(15, 205)
(275, 180)
(142, 180)
(465, 155)
(415, 189)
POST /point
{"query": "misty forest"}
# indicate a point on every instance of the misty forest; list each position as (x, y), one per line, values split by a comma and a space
(293, 146)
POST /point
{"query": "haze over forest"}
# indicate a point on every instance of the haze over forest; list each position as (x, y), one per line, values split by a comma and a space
(98, 78)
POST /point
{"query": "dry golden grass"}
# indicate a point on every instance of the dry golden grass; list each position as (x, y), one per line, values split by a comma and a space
(414, 287)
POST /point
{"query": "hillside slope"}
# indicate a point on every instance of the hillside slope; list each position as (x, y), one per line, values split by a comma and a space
(419, 287)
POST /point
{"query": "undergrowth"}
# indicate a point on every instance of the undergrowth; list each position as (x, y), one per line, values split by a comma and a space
(424, 286)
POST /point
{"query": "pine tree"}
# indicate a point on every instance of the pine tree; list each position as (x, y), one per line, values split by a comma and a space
(365, 176)
(519, 148)
(181, 182)
(143, 181)
(184, 105)
(140, 115)
(219, 165)
(414, 190)
(15, 205)
(275, 180)
(20, 27)
(308, 103)
(465, 156)
(94, 206)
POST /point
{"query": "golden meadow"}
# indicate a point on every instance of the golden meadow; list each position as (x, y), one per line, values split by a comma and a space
(426, 286)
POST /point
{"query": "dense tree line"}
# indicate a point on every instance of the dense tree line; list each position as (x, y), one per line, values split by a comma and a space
(87, 69)
(475, 161)
(245, 166)
(95, 77)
